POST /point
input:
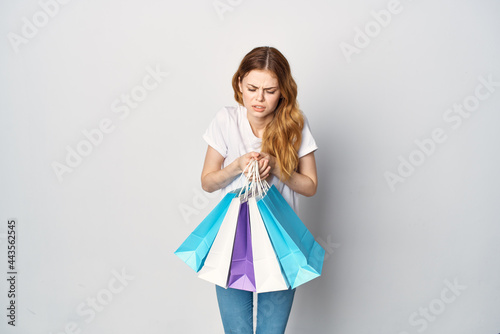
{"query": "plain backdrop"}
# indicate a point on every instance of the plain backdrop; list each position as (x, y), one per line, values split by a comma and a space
(95, 244)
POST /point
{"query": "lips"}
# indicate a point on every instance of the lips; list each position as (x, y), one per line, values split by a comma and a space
(258, 108)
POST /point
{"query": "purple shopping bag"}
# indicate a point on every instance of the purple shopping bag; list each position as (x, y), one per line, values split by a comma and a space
(242, 274)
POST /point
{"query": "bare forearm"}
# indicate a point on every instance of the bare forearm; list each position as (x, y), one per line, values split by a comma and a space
(219, 179)
(301, 184)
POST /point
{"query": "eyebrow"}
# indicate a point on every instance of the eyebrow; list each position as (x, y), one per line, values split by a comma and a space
(264, 88)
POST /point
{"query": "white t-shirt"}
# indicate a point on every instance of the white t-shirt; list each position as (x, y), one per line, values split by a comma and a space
(230, 134)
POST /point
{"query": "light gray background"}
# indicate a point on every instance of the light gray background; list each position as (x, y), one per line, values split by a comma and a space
(389, 253)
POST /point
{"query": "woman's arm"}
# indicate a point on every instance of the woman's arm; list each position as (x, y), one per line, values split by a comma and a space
(214, 178)
(304, 181)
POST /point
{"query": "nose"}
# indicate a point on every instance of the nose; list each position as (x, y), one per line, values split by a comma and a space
(260, 95)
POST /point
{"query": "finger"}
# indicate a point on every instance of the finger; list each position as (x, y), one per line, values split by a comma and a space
(262, 156)
(265, 173)
(255, 155)
(259, 166)
(264, 166)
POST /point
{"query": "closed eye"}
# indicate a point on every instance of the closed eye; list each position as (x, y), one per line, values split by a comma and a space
(253, 90)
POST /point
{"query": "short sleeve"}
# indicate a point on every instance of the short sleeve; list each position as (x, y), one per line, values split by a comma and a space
(308, 144)
(216, 133)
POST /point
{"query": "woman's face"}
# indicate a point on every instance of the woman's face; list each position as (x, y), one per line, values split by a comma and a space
(261, 93)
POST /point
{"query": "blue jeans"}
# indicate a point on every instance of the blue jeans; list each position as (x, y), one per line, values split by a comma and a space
(236, 309)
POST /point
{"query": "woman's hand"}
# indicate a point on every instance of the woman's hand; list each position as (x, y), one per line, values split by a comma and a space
(214, 178)
(267, 165)
(303, 181)
(264, 166)
(245, 159)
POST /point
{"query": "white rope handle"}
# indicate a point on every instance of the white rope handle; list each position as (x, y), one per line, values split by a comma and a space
(246, 185)
(253, 185)
(258, 186)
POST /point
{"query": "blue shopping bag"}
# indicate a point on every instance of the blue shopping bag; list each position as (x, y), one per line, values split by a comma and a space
(195, 248)
(300, 256)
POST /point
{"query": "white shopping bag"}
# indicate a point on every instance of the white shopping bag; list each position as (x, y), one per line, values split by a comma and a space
(218, 261)
(268, 275)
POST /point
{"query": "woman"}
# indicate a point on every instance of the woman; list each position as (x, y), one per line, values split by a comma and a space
(267, 126)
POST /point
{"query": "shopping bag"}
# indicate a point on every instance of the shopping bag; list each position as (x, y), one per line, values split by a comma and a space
(276, 249)
(241, 274)
(300, 256)
(268, 273)
(218, 261)
(193, 251)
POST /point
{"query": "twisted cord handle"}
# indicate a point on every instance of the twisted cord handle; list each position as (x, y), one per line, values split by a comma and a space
(254, 185)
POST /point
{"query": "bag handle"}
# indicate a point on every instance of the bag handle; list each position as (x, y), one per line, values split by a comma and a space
(254, 185)
(246, 185)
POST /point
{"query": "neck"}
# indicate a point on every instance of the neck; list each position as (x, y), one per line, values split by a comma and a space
(258, 124)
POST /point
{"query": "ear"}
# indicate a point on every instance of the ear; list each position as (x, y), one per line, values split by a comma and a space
(239, 85)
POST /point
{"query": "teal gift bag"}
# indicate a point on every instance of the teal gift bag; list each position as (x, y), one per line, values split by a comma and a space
(300, 256)
(195, 248)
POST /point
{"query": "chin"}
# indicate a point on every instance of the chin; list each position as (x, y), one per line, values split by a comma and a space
(262, 115)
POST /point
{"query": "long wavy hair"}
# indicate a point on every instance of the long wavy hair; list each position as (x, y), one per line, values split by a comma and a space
(283, 135)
